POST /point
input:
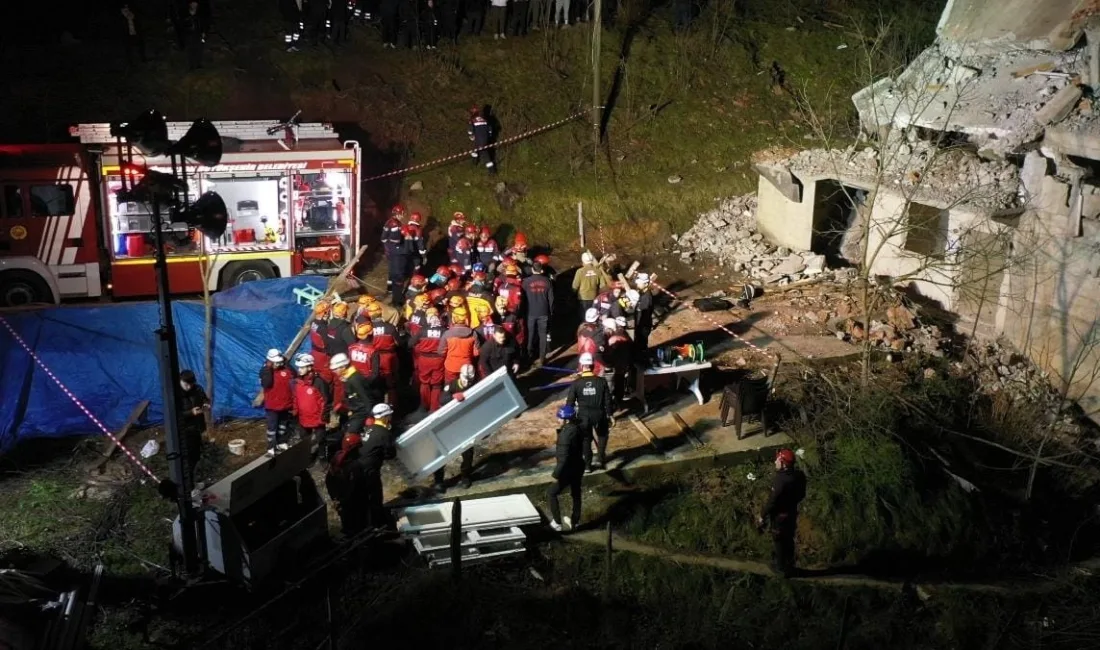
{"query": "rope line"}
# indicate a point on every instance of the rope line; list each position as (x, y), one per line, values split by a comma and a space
(515, 138)
(49, 373)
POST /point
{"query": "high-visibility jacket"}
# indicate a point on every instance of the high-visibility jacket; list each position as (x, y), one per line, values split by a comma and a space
(459, 346)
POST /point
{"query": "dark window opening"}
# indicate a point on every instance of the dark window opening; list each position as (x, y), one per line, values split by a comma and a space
(925, 230)
(52, 200)
(13, 202)
(838, 229)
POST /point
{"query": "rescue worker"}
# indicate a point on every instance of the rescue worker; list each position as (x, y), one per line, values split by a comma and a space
(463, 254)
(481, 134)
(479, 282)
(346, 483)
(428, 360)
(192, 420)
(378, 447)
(780, 513)
(518, 252)
(338, 334)
(544, 259)
(455, 389)
(591, 397)
(510, 286)
(456, 294)
(393, 242)
(488, 252)
(359, 396)
(341, 14)
(643, 317)
(414, 241)
(194, 36)
(363, 355)
(498, 352)
(589, 281)
(275, 379)
(318, 330)
(361, 315)
(569, 469)
(538, 291)
(291, 11)
(414, 313)
(619, 355)
(590, 338)
(399, 266)
(487, 323)
(458, 345)
(455, 231)
(317, 11)
(607, 298)
(418, 285)
(440, 277)
(480, 307)
(310, 401)
(511, 322)
(386, 342)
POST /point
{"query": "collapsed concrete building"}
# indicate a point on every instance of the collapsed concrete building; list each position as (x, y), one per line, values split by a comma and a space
(977, 184)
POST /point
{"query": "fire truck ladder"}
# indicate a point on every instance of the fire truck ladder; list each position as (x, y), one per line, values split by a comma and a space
(244, 130)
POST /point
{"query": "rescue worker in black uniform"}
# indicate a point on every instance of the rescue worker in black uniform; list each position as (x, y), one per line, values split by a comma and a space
(192, 420)
(317, 11)
(643, 318)
(456, 390)
(378, 447)
(569, 469)
(338, 335)
(591, 397)
(780, 514)
(346, 483)
(481, 134)
(359, 396)
(539, 292)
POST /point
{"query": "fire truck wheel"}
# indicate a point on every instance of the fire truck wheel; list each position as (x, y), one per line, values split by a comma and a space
(20, 288)
(238, 273)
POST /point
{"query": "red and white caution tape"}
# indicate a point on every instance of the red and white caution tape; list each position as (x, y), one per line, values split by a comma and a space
(466, 154)
(76, 400)
(719, 325)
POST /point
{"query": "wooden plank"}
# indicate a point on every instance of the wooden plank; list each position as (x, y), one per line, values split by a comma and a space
(686, 430)
(640, 426)
(304, 331)
(135, 414)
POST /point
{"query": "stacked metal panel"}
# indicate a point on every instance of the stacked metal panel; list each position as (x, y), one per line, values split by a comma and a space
(490, 528)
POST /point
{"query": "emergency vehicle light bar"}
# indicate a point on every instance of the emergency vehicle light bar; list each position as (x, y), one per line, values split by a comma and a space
(244, 130)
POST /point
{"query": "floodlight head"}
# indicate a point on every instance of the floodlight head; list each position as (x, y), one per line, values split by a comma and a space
(202, 143)
(148, 132)
(153, 185)
(207, 214)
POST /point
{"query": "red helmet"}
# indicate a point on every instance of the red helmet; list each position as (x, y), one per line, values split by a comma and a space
(414, 218)
(459, 217)
(479, 275)
(471, 230)
(521, 240)
(457, 270)
(475, 111)
(397, 211)
(507, 259)
(462, 244)
(785, 457)
(418, 281)
(486, 232)
(437, 295)
(445, 271)
(543, 259)
(454, 284)
(405, 231)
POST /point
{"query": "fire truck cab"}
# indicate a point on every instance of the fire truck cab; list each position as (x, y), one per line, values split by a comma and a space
(292, 198)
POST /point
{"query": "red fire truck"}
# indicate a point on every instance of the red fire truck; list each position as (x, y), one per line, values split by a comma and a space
(292, 193)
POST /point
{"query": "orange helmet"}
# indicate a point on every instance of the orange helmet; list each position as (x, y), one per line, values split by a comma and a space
(421, 301)
(340, 310)
(364, 331)
(457, 302)
(543, 259)
(366, 299)
(418, 281)
(521, 240)
(436, 295)
(454, 284)
(511, 269)
(321, 308)
(374, 310)
(460, 315)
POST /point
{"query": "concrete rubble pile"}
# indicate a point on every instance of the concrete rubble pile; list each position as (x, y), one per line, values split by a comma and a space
(728, 234)
(900, 332)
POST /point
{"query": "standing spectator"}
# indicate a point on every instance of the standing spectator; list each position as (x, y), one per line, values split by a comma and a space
(391, 21)
(780, 514)
(499, 352)
(475, 16)
(192, 420)
(559, 13)
(408, 15)
(519, 17)
(340, 18)
(537, 14)
(193, 36)
(498, 14)
(429, 24)
(569, 469)
(317, 11)
(132, 33)
(448, 20)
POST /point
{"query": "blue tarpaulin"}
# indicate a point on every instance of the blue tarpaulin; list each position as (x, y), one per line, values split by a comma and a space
(107, 357)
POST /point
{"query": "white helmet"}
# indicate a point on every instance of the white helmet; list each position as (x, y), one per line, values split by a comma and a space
(591, 315)
(339, 361)
(633, 296)
(274, 356)
(381, 410)
(304, 361)
(586, 359)
(467, 371)
(587, 258)
(620, 321)
(610, 324)
(641, 280)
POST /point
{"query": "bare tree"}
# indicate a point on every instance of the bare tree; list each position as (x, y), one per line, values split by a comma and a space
(207, 262)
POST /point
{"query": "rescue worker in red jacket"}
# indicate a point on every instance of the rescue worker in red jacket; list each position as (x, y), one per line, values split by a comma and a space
(414, 241)
(463, 254)
(393, 243)
(361, 315)
(606, 300)
(418, 285)
(479, 284)
(428, 360)
(619, 355)
(347, 485)
(512, 323)
(590, 338)
(488, 252)
(456, 390)
(414, 313)
(440, 277)
(518, 253)
(275, 379)
(486, 322)
(511, 287)
(311, 401)
(454, 289)
(338, 334)
(455, 231)
(317, 330)
(459, 345)
(386, 342)
(363, 355)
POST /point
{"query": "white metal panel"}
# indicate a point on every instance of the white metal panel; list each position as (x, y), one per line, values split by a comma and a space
(95, 284)
(477, 514)
(474, 554)
(442, 435)
(442, 541)
(240, 129)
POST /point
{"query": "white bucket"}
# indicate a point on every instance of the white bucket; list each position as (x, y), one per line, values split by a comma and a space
(236, 446)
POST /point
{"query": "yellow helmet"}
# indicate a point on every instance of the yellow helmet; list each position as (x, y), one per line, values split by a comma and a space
(459, 315)
(374, 309)
(421, 300)
(367, 299)
(364, 330)
(457, 301)
(340, 310)
(321, 308)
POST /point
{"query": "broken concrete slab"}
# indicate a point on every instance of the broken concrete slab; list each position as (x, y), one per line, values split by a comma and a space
(1059, 106)
(983, 26)
(793, 264)
(815, 264)
(783, 180)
